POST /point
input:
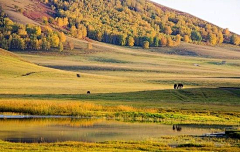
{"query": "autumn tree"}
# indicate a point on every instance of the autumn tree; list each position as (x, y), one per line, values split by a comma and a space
(37, 30)
(235, 39)
(62, 37)
(54, 39)
(220, 38)
(99, 36)
(5, 44)
(178, 39)
(79, 34)
(17, 42)
(212, 39)
(146, 45)
(163, 41)
(73, 31)
(59, 22)
(168, 30)
(45, 20)
(156, 41)
(169, 41)
(22, 32)
(46, 45)
(226, 32)
(60, 47)
(196, 36)
(130, 41)
(186, 38)
(121, 39)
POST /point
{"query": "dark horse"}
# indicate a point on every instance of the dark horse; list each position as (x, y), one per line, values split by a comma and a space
(177, 127)
(178, 86)
(88, 92)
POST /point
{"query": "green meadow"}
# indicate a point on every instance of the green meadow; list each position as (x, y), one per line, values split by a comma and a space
(127, 84)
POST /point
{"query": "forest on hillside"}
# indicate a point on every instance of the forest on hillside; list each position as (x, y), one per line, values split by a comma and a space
(135, 22)
(18, 36)
(120, 22)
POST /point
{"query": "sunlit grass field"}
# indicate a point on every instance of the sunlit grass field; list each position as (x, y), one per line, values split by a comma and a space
(127, 76)
(190, 144)
(128, 84)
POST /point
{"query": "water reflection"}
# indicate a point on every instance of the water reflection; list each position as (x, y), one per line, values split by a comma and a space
(88, 130)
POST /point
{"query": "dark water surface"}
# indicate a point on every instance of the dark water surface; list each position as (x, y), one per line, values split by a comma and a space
(52, 129)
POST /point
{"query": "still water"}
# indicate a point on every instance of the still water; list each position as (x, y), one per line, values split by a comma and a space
(51, 129)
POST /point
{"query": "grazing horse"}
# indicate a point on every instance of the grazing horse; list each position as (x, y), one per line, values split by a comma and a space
(88, 92)
(173, 128)
(175, 86)
(179, 128)
(180, 86)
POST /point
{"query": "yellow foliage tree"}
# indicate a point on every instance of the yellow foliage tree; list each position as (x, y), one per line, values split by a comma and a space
(220, 37)
(163, 41)
(55, 40)
(168, 30)
(130, 41)
(235, 39)
(226, 31)
(212, 39)
(146, 45)
(60, 22)
(38, 30)
(62, 37)
(178, 39)
(186, 38)
(170, 41)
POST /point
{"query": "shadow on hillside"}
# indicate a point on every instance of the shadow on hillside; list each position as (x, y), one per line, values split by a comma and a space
(100, 68)
(225, 95)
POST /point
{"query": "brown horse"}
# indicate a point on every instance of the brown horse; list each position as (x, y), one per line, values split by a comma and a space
(175, 86)
(180, 86)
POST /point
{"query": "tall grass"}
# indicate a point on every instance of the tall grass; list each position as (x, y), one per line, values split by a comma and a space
(185, 143)
(120, 112)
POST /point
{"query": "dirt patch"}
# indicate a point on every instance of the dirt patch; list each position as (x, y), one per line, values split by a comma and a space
(33, 10)
(37, 11)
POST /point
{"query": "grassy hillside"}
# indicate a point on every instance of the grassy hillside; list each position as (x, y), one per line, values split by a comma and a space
(22, 77)
(111, 69)
(152, 69)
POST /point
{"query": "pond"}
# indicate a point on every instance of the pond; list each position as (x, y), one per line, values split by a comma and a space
(31, 129)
